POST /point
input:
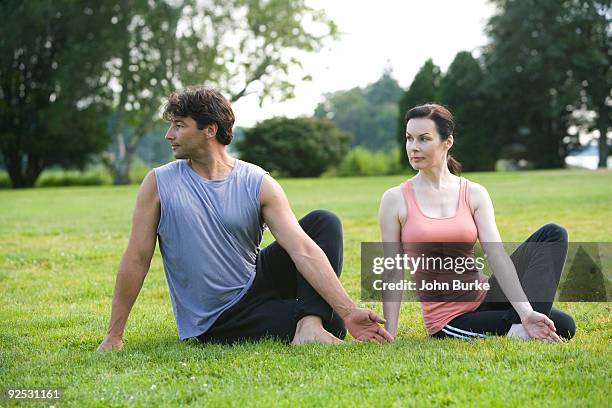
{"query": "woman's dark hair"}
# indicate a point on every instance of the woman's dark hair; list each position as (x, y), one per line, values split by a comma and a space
(204, 105)
(445, 125)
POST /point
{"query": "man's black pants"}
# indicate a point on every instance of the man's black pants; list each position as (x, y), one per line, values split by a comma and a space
(280, 296)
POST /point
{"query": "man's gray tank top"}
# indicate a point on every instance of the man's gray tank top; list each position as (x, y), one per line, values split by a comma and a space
(209, 234)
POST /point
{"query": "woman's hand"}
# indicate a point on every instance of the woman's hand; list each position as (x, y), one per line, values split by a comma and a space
(539, 326)
(364, 325)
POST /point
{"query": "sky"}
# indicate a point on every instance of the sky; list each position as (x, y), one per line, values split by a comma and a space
(374, 35)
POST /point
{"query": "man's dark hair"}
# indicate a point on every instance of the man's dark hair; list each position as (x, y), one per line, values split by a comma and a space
(204, 105)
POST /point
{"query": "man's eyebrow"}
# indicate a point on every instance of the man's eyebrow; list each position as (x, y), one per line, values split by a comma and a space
(422, 134)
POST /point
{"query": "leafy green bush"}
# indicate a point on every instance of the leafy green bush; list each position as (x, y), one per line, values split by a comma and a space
(94, 175)
(395, 162)
(302, 147)
(138, 171)
(363, 162)
(55, 178)
(5, 180)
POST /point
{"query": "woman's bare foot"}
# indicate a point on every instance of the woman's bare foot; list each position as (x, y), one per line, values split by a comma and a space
(517, 331)
(310, 330)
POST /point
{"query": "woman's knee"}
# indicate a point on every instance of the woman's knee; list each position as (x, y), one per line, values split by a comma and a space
(555, 232)
(564, 323)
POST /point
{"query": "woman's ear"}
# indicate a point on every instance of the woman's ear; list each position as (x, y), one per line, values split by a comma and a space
(450, 141)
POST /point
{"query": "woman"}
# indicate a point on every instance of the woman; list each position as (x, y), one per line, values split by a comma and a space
(437, 205)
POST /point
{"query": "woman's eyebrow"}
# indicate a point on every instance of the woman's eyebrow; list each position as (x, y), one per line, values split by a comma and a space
(422, 134)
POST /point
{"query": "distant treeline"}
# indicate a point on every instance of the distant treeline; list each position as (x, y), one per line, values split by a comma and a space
(82, 83)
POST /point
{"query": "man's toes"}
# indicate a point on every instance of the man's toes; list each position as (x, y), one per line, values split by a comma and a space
(337, 340)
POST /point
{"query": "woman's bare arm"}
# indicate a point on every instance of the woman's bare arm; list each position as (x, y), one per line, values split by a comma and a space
(536, 324)
(390, 230)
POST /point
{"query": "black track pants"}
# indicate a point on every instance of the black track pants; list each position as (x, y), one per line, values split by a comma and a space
(539, 269)
(280, 296)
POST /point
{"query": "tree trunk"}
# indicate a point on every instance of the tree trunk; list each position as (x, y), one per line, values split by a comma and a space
(124, 157)
(120, 165)
(23, 176)
(603, 126)
(121, 170)
(121, 159)
(543, 144)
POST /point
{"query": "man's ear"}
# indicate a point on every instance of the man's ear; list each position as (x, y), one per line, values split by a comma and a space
(211, 130)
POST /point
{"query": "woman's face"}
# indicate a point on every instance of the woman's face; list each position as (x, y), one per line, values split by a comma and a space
(424, 146)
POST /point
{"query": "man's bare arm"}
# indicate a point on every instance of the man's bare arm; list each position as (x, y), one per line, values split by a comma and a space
(313, 264)
(135, 262)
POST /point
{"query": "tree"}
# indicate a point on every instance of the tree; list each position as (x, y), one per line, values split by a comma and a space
(384, 91)
(539, 63)
(239, 46)
(302, 147)
(591, 22)
(140, 72)
(423, 89)
(369, 113)
(461, 91)
(153, 148)
(52, 111)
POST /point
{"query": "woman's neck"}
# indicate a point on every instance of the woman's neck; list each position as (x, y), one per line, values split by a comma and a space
(435, 177)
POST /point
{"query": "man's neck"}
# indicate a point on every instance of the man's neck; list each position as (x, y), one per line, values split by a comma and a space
(215, 165)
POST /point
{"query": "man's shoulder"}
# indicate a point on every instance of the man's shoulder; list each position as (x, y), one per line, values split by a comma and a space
(168, 175)
(251, 167)
(173, 165)
(169, 171)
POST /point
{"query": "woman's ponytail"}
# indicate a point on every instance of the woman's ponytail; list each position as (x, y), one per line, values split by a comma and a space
(453, 165)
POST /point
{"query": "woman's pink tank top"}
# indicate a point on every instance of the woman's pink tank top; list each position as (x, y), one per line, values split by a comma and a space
(459, 228)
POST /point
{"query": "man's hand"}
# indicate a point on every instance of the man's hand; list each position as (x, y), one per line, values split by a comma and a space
(539, 326)
(364, 325)
(110, 343)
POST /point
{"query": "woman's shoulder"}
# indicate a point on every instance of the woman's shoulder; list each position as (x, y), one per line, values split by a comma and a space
(392, 204)
(475, 188)
(477, 194)
(393, 194)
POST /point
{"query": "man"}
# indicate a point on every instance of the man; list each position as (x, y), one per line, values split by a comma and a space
(208, 211)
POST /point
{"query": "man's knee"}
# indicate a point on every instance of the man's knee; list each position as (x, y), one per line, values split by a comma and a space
(322, 223)
(555, 232)
(324, 217)
(325, 229)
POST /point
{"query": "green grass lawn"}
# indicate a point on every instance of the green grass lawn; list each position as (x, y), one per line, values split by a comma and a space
(59, 252)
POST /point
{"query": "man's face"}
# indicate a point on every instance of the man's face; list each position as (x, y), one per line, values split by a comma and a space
(185, 138)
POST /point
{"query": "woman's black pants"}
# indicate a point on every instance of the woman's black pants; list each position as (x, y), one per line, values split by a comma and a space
(539, 263)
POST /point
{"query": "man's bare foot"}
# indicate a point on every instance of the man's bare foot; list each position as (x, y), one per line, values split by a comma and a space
(310, 330)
